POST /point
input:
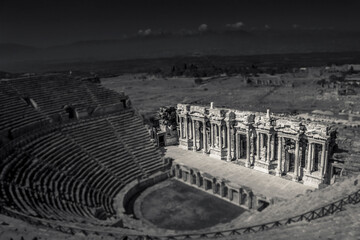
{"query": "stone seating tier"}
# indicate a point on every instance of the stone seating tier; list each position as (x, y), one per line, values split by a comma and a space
(69, 172)
(39, 100)
(14, 112)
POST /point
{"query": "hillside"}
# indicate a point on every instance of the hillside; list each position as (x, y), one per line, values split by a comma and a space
(170, 45)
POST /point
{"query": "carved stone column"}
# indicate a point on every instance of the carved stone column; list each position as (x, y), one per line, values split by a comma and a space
(198, 179)
(181, 127)
(206, 185)
(258, 146)
(313, 157)
(326, 160)
(234, 144)
(237, 144)
(247, 164)
(322, 158)
(280, 146)
(184, 176)
(189, 128)
(229, 142)
(194, 135)
(214, 187)
(252, 148)
(272, 148)
(220, 136)
(268, 147)
(222, 186)
(186, 128)
(230, 194)
(296, 170)
(308, 167)
(250, 200)
(241, 193)
(212, 135)
(204, 138)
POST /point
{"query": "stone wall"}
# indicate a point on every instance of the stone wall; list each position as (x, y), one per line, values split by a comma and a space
(239, 195)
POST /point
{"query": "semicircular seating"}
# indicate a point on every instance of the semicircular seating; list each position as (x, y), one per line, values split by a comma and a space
(73, 172)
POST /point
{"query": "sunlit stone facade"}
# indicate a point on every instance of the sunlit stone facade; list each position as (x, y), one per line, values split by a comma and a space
(283, 146)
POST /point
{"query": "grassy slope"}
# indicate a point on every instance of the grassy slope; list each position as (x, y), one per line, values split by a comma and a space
(149, 94)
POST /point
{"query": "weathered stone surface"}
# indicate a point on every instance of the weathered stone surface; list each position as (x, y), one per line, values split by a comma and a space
(286, 124)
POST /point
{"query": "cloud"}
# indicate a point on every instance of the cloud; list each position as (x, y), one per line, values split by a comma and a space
(267, 26)
(235, 26)
(203, 27)
(295, 26)
(145, 32)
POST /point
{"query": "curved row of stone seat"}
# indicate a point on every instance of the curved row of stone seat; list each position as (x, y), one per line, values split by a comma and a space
(41, 176)
(53, 92)
(39, 204)
(105, 147)
(141, 147)
(102, 95)
(74, 169)
(14, 112)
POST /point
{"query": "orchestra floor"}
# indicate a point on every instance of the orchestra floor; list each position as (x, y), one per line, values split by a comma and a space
(175, 205)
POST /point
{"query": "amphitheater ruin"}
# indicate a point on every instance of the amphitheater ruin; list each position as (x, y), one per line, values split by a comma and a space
(76, 159)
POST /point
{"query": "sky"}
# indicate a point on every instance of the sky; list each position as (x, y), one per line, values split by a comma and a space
(55, 22)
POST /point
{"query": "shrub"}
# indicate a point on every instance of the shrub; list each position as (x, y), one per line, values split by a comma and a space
(198, 81)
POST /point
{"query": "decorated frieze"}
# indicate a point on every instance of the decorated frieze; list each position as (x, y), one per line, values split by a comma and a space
(247, 120)
(183, 108)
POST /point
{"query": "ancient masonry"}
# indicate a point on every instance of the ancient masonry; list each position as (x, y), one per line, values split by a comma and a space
(284, 146)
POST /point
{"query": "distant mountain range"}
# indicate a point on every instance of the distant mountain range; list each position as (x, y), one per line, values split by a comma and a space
(229, 43)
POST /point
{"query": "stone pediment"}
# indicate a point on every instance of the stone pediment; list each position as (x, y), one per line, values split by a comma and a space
(264, 122)
(216, 119)
(317, 130)
(217, 114)
(288, 126)
(197, 114)
(230, 116)
(183, 108)
(197, 109)
(220, 113)
(245, 117)
(287, 130)
(242, 126)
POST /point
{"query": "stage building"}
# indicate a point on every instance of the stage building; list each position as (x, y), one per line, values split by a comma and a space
(284, 146)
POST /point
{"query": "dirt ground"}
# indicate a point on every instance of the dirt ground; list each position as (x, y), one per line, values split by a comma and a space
(148, 93)
(175, 205)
